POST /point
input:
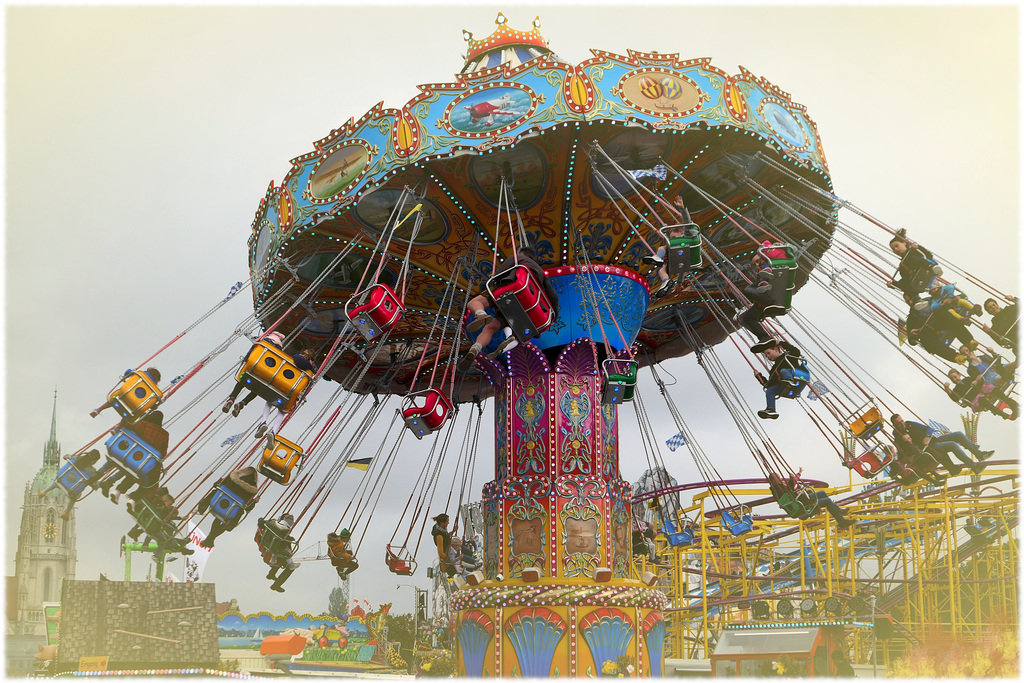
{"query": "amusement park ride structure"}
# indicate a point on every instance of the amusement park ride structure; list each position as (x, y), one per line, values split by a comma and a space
(368, 253)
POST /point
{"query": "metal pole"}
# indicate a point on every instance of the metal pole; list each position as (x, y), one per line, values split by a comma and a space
(874, 633)
(415, 626)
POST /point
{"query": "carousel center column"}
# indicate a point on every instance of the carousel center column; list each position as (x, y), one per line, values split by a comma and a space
(557, 597)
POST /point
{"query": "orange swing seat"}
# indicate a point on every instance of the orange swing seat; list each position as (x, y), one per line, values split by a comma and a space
(136, 396)
(280, 458)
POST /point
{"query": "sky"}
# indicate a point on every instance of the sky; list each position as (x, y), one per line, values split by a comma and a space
(140, 141)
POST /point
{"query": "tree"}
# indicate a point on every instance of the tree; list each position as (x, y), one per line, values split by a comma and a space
(337, 602)
(400, 630)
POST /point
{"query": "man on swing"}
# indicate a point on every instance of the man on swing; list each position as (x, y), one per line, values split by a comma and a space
(484, 316)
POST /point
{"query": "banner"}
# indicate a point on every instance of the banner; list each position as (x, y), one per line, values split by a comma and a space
(196, 562)
(92, 663)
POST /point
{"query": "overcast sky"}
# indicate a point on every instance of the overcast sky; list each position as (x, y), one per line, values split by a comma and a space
(141, 140)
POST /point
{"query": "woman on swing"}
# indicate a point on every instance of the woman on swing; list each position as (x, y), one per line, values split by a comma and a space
(442, 541)
(484, 316)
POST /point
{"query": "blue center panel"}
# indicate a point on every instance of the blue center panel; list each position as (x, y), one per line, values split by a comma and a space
(623, 296)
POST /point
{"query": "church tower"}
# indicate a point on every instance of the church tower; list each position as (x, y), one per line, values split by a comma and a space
(46, 543)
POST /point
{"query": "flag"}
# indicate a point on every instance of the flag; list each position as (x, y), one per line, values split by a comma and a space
(360, 463)
(196, 562)
(177, 379)
(235, 289)
(660, 172)
(676, 441)
(938, 427)
(231, 439)
(817, 389)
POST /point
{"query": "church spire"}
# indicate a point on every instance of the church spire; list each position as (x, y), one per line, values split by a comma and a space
(51, 452)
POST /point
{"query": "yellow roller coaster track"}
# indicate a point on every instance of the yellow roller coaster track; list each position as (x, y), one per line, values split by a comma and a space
(919, 556)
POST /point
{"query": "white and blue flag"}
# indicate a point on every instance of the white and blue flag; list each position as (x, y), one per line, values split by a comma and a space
(660, 172)
(676, 441)
(231, 439)
(235, 289)
(817, 389)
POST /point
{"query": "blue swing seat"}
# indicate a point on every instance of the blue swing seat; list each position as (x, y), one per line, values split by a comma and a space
(74, 479)
(682, 536)
(226, 505)
(801, 376)
(137, 458)
(738, 527)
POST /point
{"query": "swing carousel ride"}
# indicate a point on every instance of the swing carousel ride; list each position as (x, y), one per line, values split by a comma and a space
(368, 253)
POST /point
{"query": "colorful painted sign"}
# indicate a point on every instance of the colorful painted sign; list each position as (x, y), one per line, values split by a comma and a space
(488, 111)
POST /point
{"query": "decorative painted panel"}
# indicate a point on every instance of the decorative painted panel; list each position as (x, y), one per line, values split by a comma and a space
(492, 513)
(526, 508)
(532, 634)
(621, 536)
(582, 529)
(609, 634)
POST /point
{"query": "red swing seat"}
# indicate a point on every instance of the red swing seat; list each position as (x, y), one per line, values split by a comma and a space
(380, 311)
(401, 562)
(872, 462)
(426, 418)
(521, 301)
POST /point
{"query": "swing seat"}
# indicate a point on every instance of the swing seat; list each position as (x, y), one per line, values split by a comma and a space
(137, 395)
(793, 387)
(279, 459)
(871, 463)
(137, 458)
(683, 253)
(902, 474)
(152, 522)
(682, 536)
(401, 562)
(921, 278)
(619, 381)
(380, 311)
(226, 505)
(521, 301)
(271, 375)
(426, 418)
(805, 502)
(74, 479)
(865, 421)
(795, 507)
(783, 277)
(272, 544)
(740, 526)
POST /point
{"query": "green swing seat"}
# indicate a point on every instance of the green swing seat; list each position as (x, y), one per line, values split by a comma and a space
(619, 380)
(683, 253)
